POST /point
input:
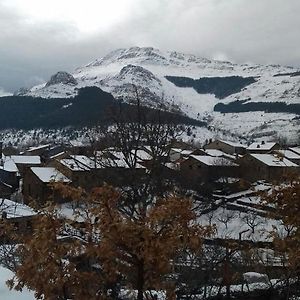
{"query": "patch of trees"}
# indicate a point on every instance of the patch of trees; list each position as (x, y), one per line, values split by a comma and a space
(88, 108)
(270, 107)
(221, 87)
(291, 74)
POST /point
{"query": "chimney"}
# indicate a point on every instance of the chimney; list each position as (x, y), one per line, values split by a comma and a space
(4, 215)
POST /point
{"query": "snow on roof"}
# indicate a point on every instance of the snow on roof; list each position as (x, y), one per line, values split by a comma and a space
(142, 154)
(213, 161)
(14, 209)
(187, 152)
(147, 147)
(218, 153)
(273, 160)
(49, 174)
(79, 163)
(74, 165)
(261, 146)
(117, 159)
(178, 150)
(84, 160)
(10, 166)
(214, 152)
(173, 166)
(233, 144)
(26, 159)
(114, 153)
(182, 151)
(57, 155)
(118, 163)
(289, 154)
(39, 147)
(295, 149)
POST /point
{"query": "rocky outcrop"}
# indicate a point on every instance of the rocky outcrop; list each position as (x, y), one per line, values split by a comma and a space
(62, 77)
(21, 92)
(136, 73)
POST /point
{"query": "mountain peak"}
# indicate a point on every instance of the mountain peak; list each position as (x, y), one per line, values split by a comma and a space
(126, 55)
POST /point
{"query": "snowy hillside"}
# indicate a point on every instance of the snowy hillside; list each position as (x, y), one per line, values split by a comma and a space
(149, 68)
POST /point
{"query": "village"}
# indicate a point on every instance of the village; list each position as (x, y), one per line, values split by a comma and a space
(224, 178)
(26, 176)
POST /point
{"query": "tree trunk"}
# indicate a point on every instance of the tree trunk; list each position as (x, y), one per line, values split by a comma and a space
(140, 280)
(226, 274)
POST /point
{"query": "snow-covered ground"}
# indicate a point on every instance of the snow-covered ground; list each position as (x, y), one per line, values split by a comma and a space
(258, 125)
(232, 224)
(7, 294)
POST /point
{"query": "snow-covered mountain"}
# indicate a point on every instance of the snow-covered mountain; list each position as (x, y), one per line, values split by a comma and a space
(184, 82)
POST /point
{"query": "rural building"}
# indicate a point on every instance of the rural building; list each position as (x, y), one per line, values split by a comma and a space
(80, 169)
(22, 162)
(263, 147)
(270, 167)
(219, 153)
(204, 168)
(227, 147)
(88, 173)
(181, 145)
(36, 185)
(19, 215)
(290, 155)
(177, 153)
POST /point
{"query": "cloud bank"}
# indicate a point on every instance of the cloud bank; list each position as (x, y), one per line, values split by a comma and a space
(260, 31)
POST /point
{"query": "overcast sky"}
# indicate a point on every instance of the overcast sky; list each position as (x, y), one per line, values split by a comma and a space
(39, 38)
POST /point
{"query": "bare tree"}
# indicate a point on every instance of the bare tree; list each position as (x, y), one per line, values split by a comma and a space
(135, 129)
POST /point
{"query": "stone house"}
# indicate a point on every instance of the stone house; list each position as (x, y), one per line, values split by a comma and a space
(79, 168)
(37, 185)
(201, 168)
(177, 153)
(263, 147)
(270, 167)
(23, 162)
(227, 147)
(219, 153)
(19, 215)
(92, 172)
(120, 171)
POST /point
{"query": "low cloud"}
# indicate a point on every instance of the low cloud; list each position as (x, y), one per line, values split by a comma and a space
(4, 93)
(242, 31)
